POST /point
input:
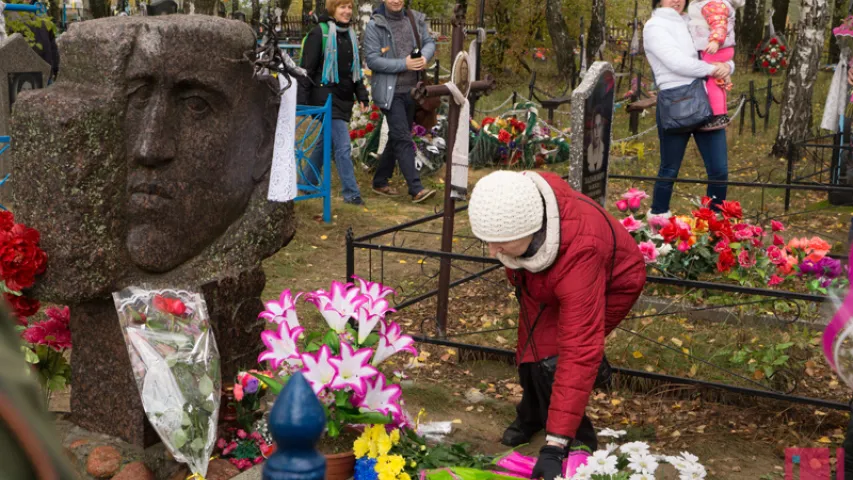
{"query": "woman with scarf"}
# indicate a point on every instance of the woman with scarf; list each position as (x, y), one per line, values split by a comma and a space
(330, 56)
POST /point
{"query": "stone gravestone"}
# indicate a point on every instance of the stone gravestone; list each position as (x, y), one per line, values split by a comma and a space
(592, 119)
(147, 163)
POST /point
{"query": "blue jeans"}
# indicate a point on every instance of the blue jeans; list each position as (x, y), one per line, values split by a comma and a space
(342, 158)
(712, 146)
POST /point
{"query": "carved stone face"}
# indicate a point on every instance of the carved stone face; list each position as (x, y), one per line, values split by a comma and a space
(194, 128)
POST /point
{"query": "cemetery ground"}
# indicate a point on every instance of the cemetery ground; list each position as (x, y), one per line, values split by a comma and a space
(736, 437)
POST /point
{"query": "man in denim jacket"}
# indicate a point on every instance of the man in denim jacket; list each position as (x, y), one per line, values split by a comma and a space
(388, 44)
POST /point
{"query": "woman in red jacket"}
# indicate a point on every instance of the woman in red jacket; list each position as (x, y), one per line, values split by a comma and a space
(577, 273)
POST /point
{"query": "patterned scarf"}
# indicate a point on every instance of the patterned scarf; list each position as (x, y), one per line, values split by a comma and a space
(330, 60)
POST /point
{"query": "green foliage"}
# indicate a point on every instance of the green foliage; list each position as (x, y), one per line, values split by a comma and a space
(433, 8)
(21, 22)
(763, 360)
(422, 456)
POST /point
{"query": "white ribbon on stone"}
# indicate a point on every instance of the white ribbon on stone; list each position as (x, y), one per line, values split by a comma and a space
(459, 156)
(283, 171)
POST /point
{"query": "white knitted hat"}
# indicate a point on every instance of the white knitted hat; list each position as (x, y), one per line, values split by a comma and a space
(505, 206)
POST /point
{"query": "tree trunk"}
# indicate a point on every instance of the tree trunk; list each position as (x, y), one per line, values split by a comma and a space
(780, 15)
(838, 15)
(256, 14)
(99, 8)
(307, 7)
(562, 42)
(750, 27)
(597, 31)
(796, 110)
(205, 7)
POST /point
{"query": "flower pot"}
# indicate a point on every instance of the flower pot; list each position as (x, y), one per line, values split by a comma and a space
(340, 466)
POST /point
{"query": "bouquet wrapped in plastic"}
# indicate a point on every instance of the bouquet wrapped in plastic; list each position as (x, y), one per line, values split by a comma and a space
(176, 366)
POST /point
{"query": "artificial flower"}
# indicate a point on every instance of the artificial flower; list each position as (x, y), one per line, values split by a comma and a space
(775, 280)
(281, 345)
(622, 205)
(373, 290)
(829, 267)
(338, 305)
(745, 259)
(634, 448)
(776, 226)
(642, 463)
(634, 193)
(609, 432)
(817, 248)
(603, 463)
(172, 306)
(238, 392)
(21, 259)
(649, 251)
(369, 314)
(283, 310)
(778, 241)
(318, 370)
(777, 255)
(22, 306)
(379, 397)
(55, 332)
(632, 224)
(352, 368)
(731, 209)
(725, 261)
(391, 341)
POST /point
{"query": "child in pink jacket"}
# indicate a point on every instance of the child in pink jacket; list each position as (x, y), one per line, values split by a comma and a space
(712, 25)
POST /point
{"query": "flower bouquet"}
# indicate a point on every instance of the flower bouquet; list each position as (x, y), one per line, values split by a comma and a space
(47, 344)
(339, 360)
(773, 55)
(248, 392)
(508, 141)
(429, 147)
(176, 366)
(709, 242)
(243, 449)
(362, 125)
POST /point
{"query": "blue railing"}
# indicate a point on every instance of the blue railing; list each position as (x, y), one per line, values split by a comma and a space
(313, 182)
(37, 8)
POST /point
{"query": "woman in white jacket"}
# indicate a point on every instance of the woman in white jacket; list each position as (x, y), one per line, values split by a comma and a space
(675, 63)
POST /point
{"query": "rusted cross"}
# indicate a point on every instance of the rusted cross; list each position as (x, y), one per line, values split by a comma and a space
(460, 78)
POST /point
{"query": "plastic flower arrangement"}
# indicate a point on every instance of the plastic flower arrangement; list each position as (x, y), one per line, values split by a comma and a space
(244, 449)
(340, 361)
(773, 55)
(248, 393)
(510, 141)
(710, 242)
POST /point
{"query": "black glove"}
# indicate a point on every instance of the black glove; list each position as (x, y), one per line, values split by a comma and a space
(550, 463)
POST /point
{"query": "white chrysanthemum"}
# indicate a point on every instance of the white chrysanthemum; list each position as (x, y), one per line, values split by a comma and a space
(603, 462)
(611, 447)
(690, 457)
(642, 476)
(694, 471)
(635, 448)
(678, 462)
(583, 472)
(642, 463)
(664, 249)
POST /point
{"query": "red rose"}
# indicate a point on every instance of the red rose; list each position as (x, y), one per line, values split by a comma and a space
(54, 332)
(23, 306)
(765, 64)
(706, 201)
(731, 209)
(504, 136)
(774, 41)
(705, 213)
(725, 261)
(21, 259)
(488, 120)
(374, 116)
(772, 71)
(169, 305)
(353, 135)
(773, 54)
(784, 63)
(360, 133)
(374, 108)
(782, 48)
(778, 241)
(766, 49)
(369, 128)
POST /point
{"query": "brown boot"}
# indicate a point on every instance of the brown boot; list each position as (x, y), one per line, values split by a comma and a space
(387, 191)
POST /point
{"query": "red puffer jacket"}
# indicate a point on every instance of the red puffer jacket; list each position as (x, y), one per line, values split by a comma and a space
(583, 295)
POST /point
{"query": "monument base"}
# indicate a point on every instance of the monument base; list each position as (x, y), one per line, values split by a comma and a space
(104, 395)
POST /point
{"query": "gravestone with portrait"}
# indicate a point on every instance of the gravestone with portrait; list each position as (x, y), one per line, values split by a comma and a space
(592, 120)
(147, 163)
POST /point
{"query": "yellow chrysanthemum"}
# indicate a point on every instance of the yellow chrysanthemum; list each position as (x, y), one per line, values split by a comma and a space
(395, 436)
(404, 476)
(387, 476)
(361, 446)
(384, 445)
(397, 462)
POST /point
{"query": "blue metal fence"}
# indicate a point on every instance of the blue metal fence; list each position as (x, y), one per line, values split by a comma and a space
(315, 181)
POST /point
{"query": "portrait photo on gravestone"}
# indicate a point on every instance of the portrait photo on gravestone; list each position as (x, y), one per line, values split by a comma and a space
(598, 118)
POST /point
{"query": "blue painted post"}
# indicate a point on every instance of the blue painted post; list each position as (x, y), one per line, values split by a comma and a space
(297, 420)
(327, 160)
(36, 8)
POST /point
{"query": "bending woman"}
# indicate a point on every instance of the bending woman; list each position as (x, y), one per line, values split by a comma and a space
(675, 63)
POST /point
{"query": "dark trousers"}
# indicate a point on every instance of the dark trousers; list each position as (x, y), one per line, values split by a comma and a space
(400, 146)
(532, 411)
(712, 146)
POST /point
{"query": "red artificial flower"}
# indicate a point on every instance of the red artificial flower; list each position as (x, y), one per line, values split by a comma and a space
(7, 220)
(504, 136)
(745, 259)
(23, 306)
(776, 255)
(369, 128)
(778, 241)
(775, 280)
(731, 210)
(726, 261)
(774, 41)
(353, 135)
(767, 49)
(55, 332)
(488, 120)
(705, 213)
(773, 70)
(267, 450)
(21, 259)
(776, 226)
(784, 63)
(765, 64)
(773, 54)
(374, 108)
(782, 48)
(374, 116)
(169, 305)
(360, 133)
(675, 230)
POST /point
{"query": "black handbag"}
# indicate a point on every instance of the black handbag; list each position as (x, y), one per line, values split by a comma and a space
(684, 109)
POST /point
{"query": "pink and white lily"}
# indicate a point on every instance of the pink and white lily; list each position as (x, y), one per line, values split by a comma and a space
(283, 310)
(391, 341)
(374, 290)
(281, 345)
(381, 398)
(366, 322)
(318, 369)
(338, 305)
(353, 369)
